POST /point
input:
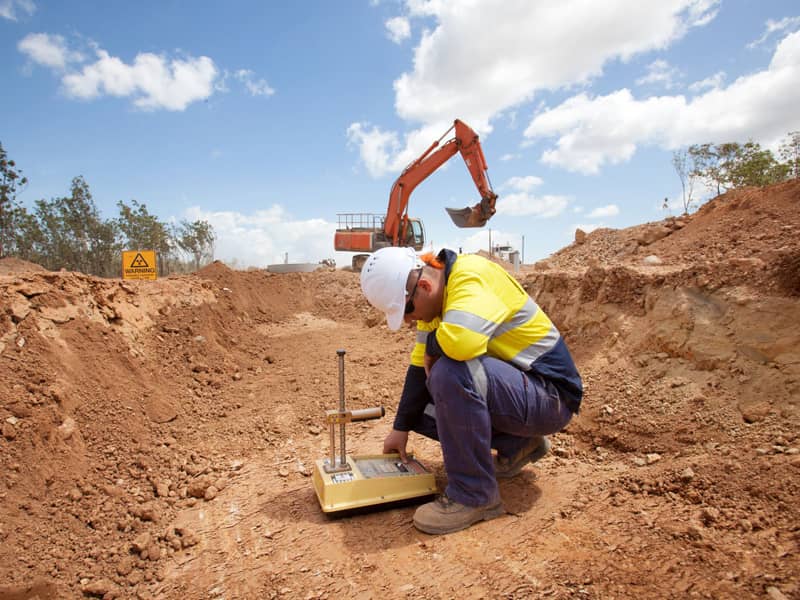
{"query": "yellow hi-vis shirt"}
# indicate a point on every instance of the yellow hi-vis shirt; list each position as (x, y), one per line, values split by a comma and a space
(487, 312)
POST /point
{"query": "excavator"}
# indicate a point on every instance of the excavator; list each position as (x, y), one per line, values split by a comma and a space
(367, 232)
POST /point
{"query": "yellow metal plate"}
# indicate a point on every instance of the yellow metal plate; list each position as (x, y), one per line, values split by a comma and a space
(372, 479)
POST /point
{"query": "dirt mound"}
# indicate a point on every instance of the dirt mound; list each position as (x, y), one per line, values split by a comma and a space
(10, 265)
(752, 227)
(158, 437)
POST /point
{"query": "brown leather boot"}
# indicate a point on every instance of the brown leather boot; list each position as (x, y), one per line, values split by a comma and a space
(444, 515)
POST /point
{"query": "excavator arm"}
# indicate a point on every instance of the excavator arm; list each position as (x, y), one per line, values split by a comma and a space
(465, 141)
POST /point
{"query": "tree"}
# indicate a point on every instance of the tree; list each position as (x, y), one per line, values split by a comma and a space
(197, 239)
(733, 165)
(680, 160)
(142, 231)
(790, 154)
(74, 236)
(753, 166)
(11, 183)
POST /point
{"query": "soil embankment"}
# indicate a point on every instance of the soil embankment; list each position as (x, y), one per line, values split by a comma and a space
(157, 437)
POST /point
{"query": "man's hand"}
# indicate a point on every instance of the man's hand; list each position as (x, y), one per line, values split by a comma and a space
(396, 442)
(428, 362)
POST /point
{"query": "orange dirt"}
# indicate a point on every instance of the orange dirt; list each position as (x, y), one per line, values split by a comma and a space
(158, 437)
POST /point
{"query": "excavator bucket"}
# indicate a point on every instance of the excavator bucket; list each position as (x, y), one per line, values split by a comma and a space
(465, 217)
(473, 216)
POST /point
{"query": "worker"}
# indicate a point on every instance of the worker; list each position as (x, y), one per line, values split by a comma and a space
(489, 370)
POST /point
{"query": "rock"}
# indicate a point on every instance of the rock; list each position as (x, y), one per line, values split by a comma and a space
(211, 493)
(653, 234)
(709, 515)
(197, 488)
(98, 588)
(774, 593)
(124, 566)
(687, 475)
(153, 551)
(653, 458)
(652, 260)
(67, 428)
(580, 236)
(187, 536)
(9, 431)
(141, 542)
(19, 410)
(146, 512)
(753, 412)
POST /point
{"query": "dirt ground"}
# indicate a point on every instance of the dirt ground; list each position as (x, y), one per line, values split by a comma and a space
(158, 437)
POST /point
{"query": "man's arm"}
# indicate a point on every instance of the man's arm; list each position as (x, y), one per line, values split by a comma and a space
(413, 400)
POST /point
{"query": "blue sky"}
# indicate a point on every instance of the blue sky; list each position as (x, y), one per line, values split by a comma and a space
(269, 118)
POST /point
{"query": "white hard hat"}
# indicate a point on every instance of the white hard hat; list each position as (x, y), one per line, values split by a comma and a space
(383, 281)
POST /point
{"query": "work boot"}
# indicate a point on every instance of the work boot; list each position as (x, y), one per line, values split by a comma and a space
(444, 515)
(536, 448)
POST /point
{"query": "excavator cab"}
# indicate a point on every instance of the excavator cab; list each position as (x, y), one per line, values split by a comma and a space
(416, 234)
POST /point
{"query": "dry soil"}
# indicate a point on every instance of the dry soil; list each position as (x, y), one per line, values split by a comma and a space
(158, 437)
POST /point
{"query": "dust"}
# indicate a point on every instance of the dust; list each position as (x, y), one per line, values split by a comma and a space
(158, 437)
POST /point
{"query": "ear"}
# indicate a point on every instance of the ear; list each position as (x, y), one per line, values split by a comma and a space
(425, 284)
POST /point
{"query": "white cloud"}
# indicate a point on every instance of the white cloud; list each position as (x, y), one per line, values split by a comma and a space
(522, 203)
(772, 26)
(375, 147)
(511, 67)
(8, 8)
(48, 50)
(659, 72)
(523, 184)
(713, 82)
(153, 81)
(560, 48)
(267, 237)
(612, 210)
(382, 151)
(509, 156)
(593, 132)
(256, 87)
(398, 29)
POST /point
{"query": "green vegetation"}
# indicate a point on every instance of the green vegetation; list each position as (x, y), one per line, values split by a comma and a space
(733, 165)
(69, 233)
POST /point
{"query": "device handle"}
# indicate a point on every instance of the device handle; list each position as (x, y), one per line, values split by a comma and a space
(365, 414)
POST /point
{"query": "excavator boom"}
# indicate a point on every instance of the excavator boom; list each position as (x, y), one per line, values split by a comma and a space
(366, 232)
(465, 141)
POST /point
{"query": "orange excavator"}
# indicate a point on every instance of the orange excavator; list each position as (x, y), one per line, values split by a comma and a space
(366, 232)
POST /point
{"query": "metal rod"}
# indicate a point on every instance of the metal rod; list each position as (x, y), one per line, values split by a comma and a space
(343, 452)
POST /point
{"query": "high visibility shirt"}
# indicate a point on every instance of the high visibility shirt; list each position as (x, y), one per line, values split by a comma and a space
(486, 311)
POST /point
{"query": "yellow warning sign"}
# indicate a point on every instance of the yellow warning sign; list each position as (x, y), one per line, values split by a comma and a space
(139, 264)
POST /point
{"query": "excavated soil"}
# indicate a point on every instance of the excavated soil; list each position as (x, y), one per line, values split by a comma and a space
(158, 437)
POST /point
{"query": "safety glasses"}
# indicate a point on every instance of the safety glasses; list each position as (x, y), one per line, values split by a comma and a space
(410, 301)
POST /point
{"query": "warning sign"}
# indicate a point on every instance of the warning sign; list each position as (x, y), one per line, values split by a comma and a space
(139, 264)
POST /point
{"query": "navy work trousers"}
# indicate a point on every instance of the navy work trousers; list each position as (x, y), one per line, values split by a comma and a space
(482, 404)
